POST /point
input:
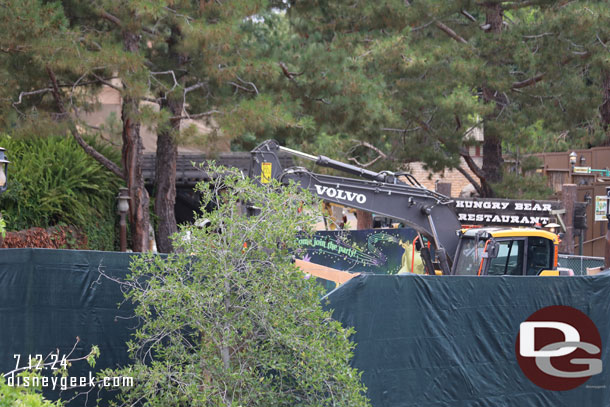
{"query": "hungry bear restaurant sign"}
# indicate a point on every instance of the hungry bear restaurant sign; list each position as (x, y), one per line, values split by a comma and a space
(505, 212)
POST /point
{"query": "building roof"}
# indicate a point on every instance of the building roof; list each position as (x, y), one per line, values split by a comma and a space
(189, 172)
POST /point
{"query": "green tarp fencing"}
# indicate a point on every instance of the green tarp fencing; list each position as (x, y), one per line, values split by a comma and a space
(421, 340)
(445, 341)
(48, 298)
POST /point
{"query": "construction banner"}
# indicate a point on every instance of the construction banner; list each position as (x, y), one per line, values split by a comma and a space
(380, 251)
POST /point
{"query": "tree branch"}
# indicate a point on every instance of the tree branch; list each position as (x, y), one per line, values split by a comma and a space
(528, 82)
(516, 5)
(34, 92)
(450, 32)
(248, 83)
(172, 73)
(471, 180)
(194, 87)
(471, 164)
(196, 116)
(287, 73)
(111, 166)
(113, 19)
(241, 87)
(380, 154)
(105, 82)
(468, 16)
(530, 37)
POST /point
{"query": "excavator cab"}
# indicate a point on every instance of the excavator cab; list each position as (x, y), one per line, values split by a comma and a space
(516, 251)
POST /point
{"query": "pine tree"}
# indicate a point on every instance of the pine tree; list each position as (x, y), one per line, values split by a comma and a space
(439, 69)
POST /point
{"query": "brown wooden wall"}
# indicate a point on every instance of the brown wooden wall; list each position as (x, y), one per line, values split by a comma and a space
(556, 166)
(594, 241)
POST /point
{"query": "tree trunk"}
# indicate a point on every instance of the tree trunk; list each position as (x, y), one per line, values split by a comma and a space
(604, 109)
(165, 177)
(492, 141)
(492, 159)
(132, 162)
(364, 220)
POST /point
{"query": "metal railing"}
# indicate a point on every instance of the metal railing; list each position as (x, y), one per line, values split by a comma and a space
(579, 264)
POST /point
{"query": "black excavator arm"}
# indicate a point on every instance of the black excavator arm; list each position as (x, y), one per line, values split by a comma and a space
(428, 212)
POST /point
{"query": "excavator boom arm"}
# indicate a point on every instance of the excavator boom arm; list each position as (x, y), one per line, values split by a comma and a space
(426, 211)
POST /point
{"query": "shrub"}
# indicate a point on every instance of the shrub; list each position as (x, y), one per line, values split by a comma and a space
(228, 320)
(52, 181)
(18, 396)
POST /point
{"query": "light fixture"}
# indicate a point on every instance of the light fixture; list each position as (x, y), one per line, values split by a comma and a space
(573, 156)
(123, 201)
(582, 160)
(123, 208)
(552, 227)
(3, 169)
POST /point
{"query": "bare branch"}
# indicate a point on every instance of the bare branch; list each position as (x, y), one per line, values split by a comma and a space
(422, 26)
(287, 73)
(195, 116)
(380, 154)
(113, 19)
(516, 5)
(248, 83)
(111, 166)
(241, 87)
(44, 365)
(34, 92)
(450, 32)
(468, 16)
(172, 73)
(195, 87)
(187, 18)
(400, 130)
(530, 37)
(105, 82)
(528, 82)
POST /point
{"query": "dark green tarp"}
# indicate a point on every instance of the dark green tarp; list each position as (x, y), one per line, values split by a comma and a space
(421, 340)
(450, 340)
(48, 298)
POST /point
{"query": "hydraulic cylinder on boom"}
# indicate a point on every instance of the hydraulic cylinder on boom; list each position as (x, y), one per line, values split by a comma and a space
(484, 251)
(384, 193)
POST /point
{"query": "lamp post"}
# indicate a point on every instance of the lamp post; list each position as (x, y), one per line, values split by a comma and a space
(123, 208)
(552, 227)
(572, 156)
(3, 169)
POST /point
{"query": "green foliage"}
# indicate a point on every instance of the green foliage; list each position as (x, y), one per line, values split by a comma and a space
(22, 396)
(228, 320)
(52, 181)
(520, 186)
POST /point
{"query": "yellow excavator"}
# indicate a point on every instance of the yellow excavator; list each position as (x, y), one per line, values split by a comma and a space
(456, 251)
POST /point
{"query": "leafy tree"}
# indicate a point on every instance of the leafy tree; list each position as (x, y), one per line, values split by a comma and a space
(581, 56)
(228, 320)
(201, 70)
(187, 57)
(69, 55)
(12, 396)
